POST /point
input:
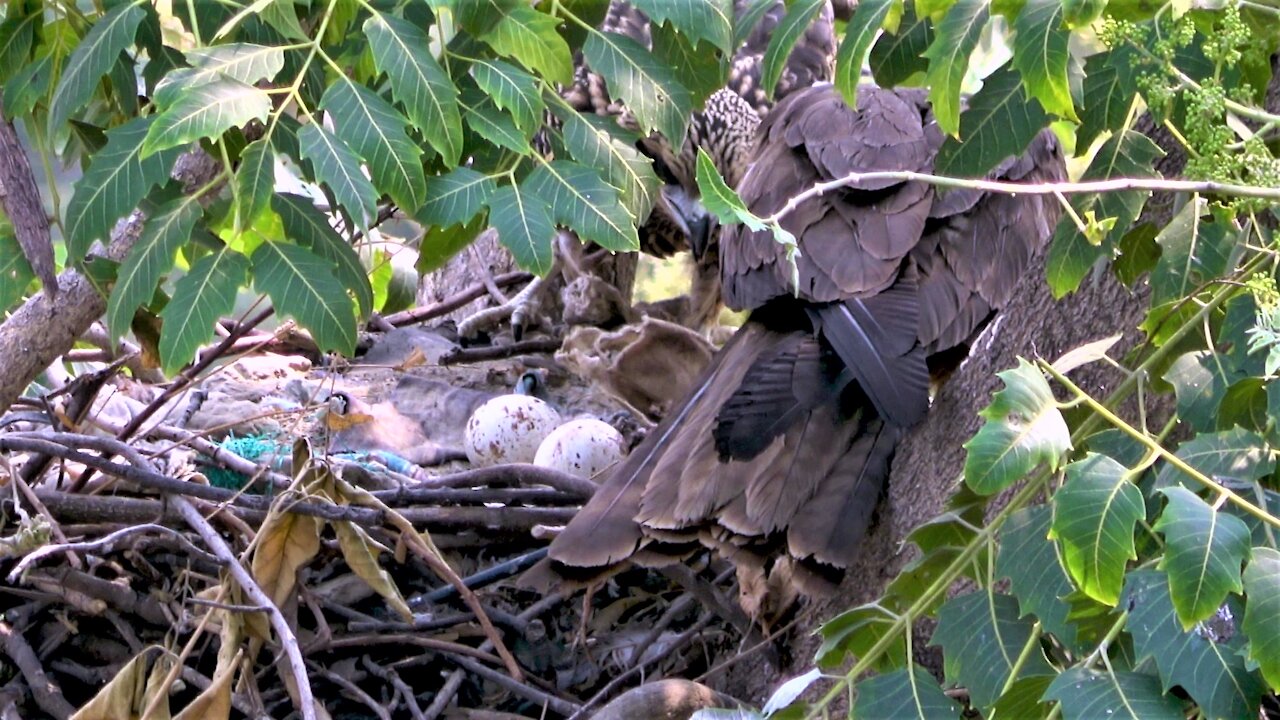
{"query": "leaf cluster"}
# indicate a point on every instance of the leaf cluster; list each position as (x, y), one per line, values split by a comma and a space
(449, 112)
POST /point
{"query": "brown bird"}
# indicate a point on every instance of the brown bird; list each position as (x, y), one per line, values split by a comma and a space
(779, 455)
(725, 128)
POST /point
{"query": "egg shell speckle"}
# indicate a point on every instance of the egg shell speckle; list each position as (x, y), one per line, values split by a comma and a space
(581, 447)
(508, 429)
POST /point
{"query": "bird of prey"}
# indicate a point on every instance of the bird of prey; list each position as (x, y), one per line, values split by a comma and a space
(779, 455)
(725, 128)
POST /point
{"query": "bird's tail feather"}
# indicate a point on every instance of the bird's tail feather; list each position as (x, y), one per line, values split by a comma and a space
(605, 531)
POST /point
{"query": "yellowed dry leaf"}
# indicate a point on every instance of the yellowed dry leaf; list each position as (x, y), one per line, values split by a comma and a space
(235, 624)
(286, 542)
(361, 554)
(214, 702)
(131, 690)
(1085, 354)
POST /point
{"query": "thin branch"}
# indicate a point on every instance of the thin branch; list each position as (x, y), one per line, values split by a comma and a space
(306, 702)
(106, 541)
(1012, 188)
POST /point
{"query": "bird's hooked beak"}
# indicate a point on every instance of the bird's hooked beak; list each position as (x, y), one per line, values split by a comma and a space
(689, 214)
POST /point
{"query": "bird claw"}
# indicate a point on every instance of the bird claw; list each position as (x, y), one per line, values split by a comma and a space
(520, 310)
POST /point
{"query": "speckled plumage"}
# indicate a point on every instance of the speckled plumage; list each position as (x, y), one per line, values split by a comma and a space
(725, 128)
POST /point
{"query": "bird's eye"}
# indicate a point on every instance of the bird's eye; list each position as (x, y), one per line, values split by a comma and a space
(664, 171)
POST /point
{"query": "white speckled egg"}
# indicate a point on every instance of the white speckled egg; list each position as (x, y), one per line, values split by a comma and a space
(581, 447)
(508, 429)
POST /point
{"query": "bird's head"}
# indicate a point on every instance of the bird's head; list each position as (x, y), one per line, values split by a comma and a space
(686, 211)
(725, 129)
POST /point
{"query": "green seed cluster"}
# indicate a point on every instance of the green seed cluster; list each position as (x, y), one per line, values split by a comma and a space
(1216, 152)
(1230, 34)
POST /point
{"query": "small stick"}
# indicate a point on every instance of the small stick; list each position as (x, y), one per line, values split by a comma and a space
(498, 352)
(306, 702)
(453, 302)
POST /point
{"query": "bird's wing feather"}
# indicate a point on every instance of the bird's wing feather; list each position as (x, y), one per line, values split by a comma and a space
(875, 336)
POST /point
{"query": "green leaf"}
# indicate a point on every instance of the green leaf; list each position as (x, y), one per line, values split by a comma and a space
(311, 229)
(302, 285)
(957, 36)
(1089, 694)
(899, 55)
(403, 52)
(941, 541)
(1023, 429)
(904, 693)
(1036, 576)
(124, 84)
(747, 16)
(1209, 668)
(982, 636)
(1236, 454)
(1138, 254)
(649, 89)
(92, 59)
(530, 37)
(1204, 549)
(710, 20)
(378, 133)
(15, 271)
(244, 62)
(854, 632)
(442, 242)
(581, 201)
(255, 180)
(589, 140)
(789, 29)
(206, 293)
(479, 16)
(149, 260)
(859, 34)
(1094, 514)
(1110, 84)
(1081, 13)
(701, 69)
(1023, 699)
(282, 16)
(917, 576)
(339, 168)
(1040, 53)
(455, 197)
(1262, 613)
(1001, 121)
(512, 89)
(492, 124)
(524, 225)
(206, 111)
(28, 86)
(116, 181)
(1200, 380)
(17, 35)
(1071, 255)
(720, 199)
(1194, 249)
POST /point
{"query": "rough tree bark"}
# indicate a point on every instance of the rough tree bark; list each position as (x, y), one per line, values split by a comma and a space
(46, 326)
(929, 462)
